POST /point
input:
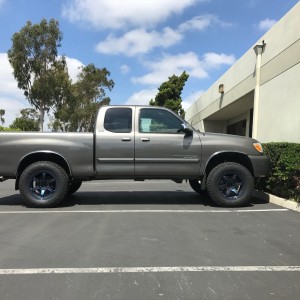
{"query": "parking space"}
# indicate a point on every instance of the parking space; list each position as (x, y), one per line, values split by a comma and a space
(151, 240)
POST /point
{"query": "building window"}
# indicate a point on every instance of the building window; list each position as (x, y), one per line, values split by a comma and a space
(238, 128)
(251, 122)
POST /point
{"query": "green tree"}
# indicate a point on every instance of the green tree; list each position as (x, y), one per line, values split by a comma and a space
(169, 94)
(28, 121)
(62, 96)
(85, 97)
(33, 56)
(2, 113)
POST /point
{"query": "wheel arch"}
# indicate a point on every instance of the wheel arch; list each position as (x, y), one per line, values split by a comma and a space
(42, 156)
(222, 157)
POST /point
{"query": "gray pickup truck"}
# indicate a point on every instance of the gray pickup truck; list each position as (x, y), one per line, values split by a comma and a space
(132, 142)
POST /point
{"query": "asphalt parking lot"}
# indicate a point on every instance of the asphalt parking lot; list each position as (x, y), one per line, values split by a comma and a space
(151, 240)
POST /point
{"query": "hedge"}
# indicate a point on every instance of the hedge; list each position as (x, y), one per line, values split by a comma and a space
(284, 177)
(2, 128)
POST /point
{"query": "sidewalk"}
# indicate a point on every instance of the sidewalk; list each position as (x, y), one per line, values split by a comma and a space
(277, 200)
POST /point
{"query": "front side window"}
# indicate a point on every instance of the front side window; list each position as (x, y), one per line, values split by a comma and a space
(118, 119)
(158, 121)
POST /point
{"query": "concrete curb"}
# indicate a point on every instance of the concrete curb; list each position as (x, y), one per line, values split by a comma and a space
(277, 200)
(284, 203)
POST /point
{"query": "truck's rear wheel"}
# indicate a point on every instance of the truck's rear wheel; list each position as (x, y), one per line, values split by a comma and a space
(74, 186)
(230, 184)
(43, 184)
(196, 186)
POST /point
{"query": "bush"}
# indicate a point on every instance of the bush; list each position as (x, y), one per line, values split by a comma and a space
(2, 128)
(284, 177)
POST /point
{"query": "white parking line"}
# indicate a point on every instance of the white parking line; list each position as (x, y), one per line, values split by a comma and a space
(150, 270)
(142, 211)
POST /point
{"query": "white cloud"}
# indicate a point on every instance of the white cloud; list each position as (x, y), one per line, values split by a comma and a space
(215, 60)
(125, 69)
(116, 14)
(74, 67)
(139, 41)
(142, 97)
(176, 64)
(8, 84)
(266, 24)
(11, 97)
(202, 22)
(169, 65)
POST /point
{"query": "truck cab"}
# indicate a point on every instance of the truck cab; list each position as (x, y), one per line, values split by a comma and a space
(145, 142)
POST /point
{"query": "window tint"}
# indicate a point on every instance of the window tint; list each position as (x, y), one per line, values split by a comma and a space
(158, 121)
(118, 119)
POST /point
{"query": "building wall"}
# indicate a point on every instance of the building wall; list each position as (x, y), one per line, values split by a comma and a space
(279, 111)
(279, 100)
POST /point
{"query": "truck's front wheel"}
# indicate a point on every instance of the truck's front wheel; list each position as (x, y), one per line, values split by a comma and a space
(43, 184)
(230, 184)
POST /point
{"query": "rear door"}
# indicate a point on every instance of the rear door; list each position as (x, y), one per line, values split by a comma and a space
(161, 151)
(115, 143)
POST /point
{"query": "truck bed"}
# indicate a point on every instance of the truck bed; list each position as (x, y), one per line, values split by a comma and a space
(76, 148)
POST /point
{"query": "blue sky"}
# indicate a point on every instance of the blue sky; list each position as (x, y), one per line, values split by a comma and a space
(142, 42)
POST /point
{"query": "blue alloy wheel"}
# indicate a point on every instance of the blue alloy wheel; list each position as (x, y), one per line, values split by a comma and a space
(43, 184)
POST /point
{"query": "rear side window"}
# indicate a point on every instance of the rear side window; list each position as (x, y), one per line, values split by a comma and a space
(118, 119)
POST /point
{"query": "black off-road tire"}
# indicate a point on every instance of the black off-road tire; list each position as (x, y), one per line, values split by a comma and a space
(230, 184)
(43, 184)
(74, 186)
(196, 186)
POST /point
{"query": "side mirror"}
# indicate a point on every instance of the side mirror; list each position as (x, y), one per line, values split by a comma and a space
(186, 129)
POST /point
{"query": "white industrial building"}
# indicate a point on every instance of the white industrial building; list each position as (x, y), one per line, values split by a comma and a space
(259, 95)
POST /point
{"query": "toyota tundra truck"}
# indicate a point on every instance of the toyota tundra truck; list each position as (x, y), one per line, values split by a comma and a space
(135, 143)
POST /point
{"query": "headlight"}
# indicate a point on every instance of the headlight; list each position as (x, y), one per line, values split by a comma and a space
(258, 147)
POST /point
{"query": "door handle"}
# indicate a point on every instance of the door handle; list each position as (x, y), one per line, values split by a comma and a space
(126, 139)
(145, 140)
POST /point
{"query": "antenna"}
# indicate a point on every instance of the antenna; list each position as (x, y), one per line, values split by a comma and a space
(197, 110)
(195, 102)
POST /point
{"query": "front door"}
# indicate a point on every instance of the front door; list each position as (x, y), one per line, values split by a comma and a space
(161, 149)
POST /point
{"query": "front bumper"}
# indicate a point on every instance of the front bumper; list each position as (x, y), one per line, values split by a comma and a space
(261, 165)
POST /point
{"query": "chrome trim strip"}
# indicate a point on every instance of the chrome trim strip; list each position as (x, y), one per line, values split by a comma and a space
(115, 160)
(167, 160)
